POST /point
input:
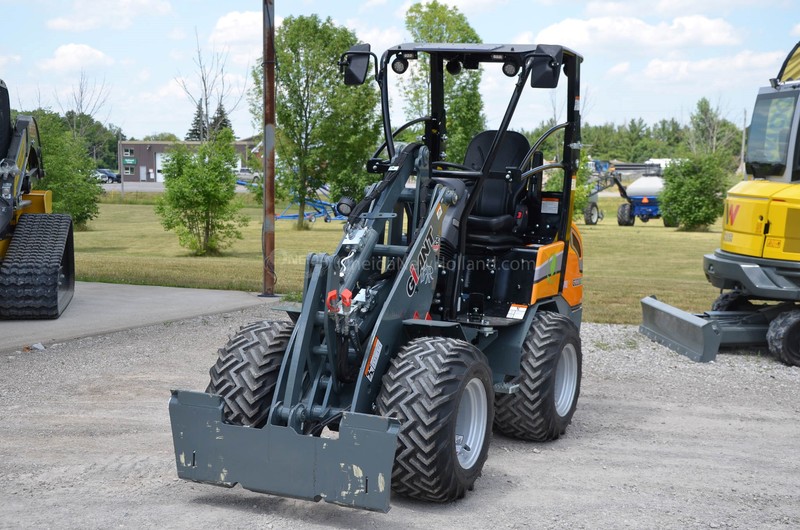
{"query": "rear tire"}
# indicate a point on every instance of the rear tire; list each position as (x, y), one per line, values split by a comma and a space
(549, 382)
(246, 371)
(732, 301)
(783, 337)
(591, 214)
(441, 391)
(624, 215)
(670, 222)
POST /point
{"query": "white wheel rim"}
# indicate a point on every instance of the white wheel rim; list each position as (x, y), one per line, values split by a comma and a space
(594, 214)
(471, 423)
(566, 380)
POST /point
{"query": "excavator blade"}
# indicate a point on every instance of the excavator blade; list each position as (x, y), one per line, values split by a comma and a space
(688, 334)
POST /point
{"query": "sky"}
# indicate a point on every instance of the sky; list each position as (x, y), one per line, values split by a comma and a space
(649, 59)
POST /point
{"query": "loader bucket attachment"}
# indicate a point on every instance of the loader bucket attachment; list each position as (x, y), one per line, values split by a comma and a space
(688, 334)
(354, 470)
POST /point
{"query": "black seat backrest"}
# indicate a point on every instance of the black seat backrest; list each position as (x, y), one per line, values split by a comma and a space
(513, 148)
(5, 121)
(499, 196)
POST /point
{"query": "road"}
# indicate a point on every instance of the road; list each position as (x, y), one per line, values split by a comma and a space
(657, 442)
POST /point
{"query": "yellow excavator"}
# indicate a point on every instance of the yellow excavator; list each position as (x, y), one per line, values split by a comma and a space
(37, 257)
(757, 267)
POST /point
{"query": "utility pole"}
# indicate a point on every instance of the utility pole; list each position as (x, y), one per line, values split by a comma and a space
(268, 227)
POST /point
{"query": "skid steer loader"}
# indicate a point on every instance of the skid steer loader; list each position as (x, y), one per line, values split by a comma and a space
(757, 267)
(37, 259)
(451, 307)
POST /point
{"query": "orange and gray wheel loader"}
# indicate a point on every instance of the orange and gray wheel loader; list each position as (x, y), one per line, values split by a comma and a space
(37, 257)
(450, 308)
(757, 267)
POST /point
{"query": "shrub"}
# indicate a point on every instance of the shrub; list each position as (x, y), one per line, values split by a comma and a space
(694, 190)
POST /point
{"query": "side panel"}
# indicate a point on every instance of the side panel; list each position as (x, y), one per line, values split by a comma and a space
(747, 209)
(783, 239)
(573, 280)
(548, 271)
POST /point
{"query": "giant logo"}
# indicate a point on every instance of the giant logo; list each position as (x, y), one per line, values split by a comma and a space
(418, 264)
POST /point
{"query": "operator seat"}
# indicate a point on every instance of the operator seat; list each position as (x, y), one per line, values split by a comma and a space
(499, 212)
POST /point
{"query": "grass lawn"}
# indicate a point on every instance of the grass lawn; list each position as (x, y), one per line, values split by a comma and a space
(126, 244)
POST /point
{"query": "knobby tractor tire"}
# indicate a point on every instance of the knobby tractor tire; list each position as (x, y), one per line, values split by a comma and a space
(37, 275)
(732, 301)
(591, 214)
(441, 391)
(246, 371)
(549, 382)
(783, 337)
(624, 215)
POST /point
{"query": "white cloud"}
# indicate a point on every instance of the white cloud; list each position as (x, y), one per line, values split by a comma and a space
(369, 4)
(380, 39)
(746, 67)
(177, 34)
(796, 30)
(117, 14)
(631, 34)
(664, 8)
(241, 35)
(619, 69)
(6, 60)
(170, 91)
(74, 58)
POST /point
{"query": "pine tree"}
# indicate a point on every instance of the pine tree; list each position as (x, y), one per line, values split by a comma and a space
(199, 129)
(220, 120)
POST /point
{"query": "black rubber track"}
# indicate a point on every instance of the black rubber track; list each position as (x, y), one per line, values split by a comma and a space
(37, 275)
(423, 388)
(246, 371)
(783, 337)
(530, 413)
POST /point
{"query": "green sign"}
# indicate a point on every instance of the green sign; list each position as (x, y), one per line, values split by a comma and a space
(129, 161)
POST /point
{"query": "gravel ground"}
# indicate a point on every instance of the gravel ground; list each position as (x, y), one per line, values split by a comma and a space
(657, 442)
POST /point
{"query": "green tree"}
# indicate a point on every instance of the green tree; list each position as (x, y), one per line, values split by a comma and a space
(670, 139)
(199, 201)
(711, 133)
(325, 130)
(198, 131)
(220, 120)
(555, 182)
(68, 169)
(161, 137)
(437, 22)
(694, 189)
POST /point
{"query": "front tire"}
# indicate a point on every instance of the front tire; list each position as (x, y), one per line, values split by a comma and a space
(783, 337)
(441, 391)
(246, 371)
(549, 382)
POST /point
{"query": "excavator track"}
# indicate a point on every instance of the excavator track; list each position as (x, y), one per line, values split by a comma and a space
(37, 275)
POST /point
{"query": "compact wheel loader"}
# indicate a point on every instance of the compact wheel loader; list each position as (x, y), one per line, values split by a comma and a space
(451, 308)
(37, 259)
(757, 267)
